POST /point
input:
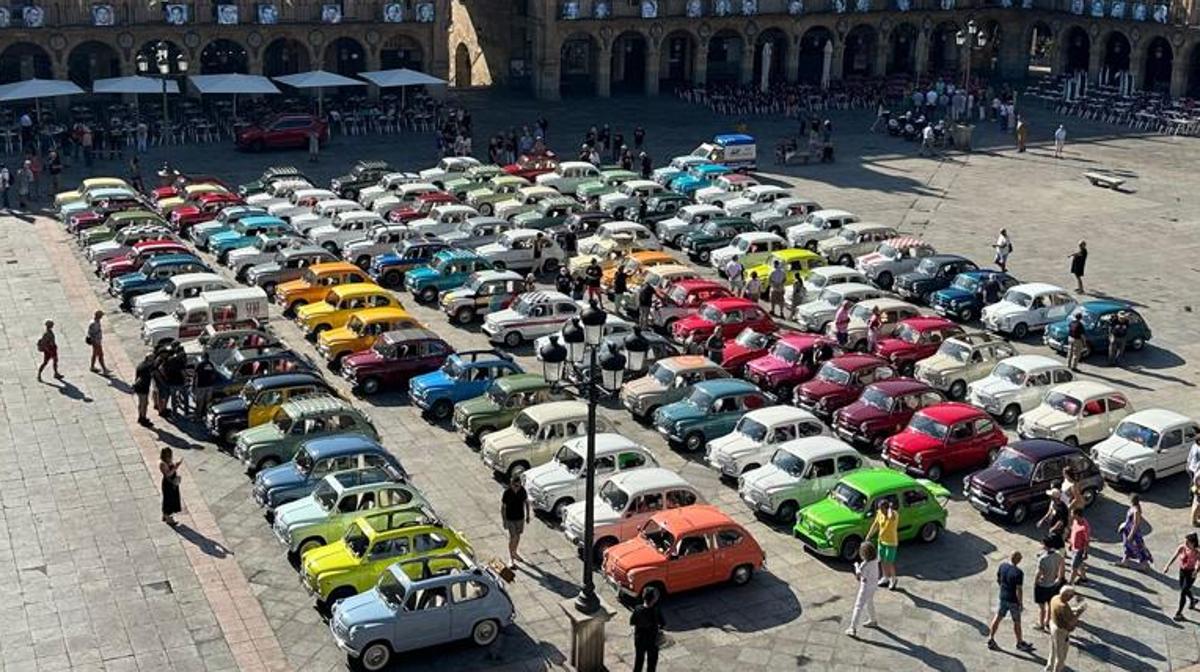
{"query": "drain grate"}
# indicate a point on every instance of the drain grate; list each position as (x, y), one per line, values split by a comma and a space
(163, 587)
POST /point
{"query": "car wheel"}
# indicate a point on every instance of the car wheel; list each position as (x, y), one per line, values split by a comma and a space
(992, 455)
(267, 463)
(482, 432)
(335, 364)
(499, 266)
(291, 309)
(958, 390)
(550, 265)
(1020, 331)
(515, 470)
(363, 261)
(340, 593)
(369, 385)
(1145, 480)
(849, 549)
(1019, 513)
(906, 369)
(1137, 344)
(860, 345)
(486, 209)
(331, 246)
(308, 545)
(464, 315)
(846, 260)
(934, 472)
(741, 575)
(751, 467)
(675, 241)
(441, 409)
(811, 246)
(428, 295)
(656, 586)
(317, 331)
(393, 279)
(513, 339)
(1071, 441)
(786, 513)
(1010, 414)
(600, 547)
(374, 657)
(930, 532)
(228, 436)
(560, 507)
(693, 442)
(485, 632)
(966, 314)
(619, 213)
(155, 316)
(1089, 496)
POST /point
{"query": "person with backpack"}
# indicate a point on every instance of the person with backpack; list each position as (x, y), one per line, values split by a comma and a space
(142, 377)
(48, 346)
(95, 338)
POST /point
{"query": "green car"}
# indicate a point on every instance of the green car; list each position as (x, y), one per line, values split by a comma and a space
(662, 206)
(504, 398)
(499, 188)
(607, 184)
(326, 514)
(716, 233)
(449, 269)
(297, 421)
(837, 525)
(115, 222)
(551, 212)
(474, 178)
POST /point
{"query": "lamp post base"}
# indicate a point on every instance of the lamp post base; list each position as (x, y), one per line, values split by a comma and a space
(587, 635)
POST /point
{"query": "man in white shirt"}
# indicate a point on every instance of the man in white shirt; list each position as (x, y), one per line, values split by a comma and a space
(733, 272)
(1003, 248)
(1060, 139)
(931, 99)
(927, 140)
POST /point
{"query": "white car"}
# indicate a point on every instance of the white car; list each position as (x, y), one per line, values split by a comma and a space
(816, 314)
(180, 287)
(756, 198)
(777, 217)
(625, 502)
(443, 219)
(263, 250)
(687, 218)
(799, 473)
(535, 436)
(757, 435)
(893, 257)
(891, 311)
(322, 214)
(533, 314)
(448, 168)
(629, 197)
(640, 237)
(613, 326)
(300, 202)
(406, 193)
(1146, 446)
(1028, 307)
(386, 185)
(854, 240)
(476, 232)
(818, 226)
(515, 249)
(823, 277)
(1017, 384)
(567, 175)
(380, 239)
(724, 189)
(1080, 413)
(277, 192)
(554, 486)
(526, 199)
(751, 248)
(345, 227)
(962, 360)
(124, 241)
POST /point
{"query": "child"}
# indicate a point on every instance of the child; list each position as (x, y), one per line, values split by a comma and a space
(867, 572)
(1081, 541)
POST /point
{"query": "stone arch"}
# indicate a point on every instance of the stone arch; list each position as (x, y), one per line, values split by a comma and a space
(223, 56)
(1193, 77)
(945, 56)
(345, 56)
(627, 62)
(858, 57)
(725, 57)
(462, 66)
(810, 53)
(902, 52)
(92, 60)
(1160, 58)
(286, 56)
(1040, 52)
(678, 54)
(24, 60)
(1076, 50)
(1116, 56)
(580, 55)
(402, 51)
(776, 60)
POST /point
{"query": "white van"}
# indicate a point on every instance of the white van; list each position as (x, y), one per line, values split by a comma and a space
(235, 307)
(178, 288)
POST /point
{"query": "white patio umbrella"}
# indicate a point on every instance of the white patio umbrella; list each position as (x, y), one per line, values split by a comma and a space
(135, 84)
(319, 80)
(234, 84)
(36, 89)
(401, 77)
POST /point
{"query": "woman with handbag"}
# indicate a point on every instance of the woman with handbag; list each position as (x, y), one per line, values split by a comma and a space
(171, 502)
(95, 338)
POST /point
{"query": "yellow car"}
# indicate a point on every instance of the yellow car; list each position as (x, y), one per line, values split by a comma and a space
(636, 265)
(64, 197)
(606, 251)
(191, 191)
(339, 304)
(371, 544)
(797, 263)
(361, 331)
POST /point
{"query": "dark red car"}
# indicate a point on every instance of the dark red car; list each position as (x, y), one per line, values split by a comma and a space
(683, 298)
(395, 357)
(93, 217)
(424, 204)
(530, 166)
(951, 436)
(883, 409)
(793, 359)
(204, 209)
(731, 315)
(137, 256)
(915, 339)
(839, 381)
(747, 346)
(182, 181)
(282, 131)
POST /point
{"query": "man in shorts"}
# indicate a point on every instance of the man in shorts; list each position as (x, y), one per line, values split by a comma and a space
(515, 512)
(887, 526)
(1009, 577)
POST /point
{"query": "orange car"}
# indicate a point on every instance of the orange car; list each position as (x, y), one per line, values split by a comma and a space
(681, 549)
(635, 266)
(314, 284)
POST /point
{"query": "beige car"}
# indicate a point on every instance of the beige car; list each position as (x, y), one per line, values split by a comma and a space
(625, 502)
(961, 361)
(892, 311)
(535, 436)
(854, 240)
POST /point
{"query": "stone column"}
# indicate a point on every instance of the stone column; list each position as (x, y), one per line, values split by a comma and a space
(603, 73)
(791, 60)
(1179, 73)
(835, 61)
(1137, 65)
(883, 46)
(617, 67)
(1095, 58)
(749, 48)
(546, 80)
(921, 53)
(700, 64)
(653, 67)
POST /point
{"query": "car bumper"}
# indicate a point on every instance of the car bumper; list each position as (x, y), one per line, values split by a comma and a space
(818, 546)
(761, 505)
(670, 436)
(816, 409)
(728, 469)
(984, 507)
(423, 402)
(622, 590)
(341, 643)
(853, 436)
(906, 467)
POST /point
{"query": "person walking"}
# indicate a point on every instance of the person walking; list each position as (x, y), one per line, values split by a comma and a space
(515, 512)
(135, 173)
(1051, 569)
(95, 338)
(797, 300)
(162, 391)
(56, 167)
(886, 527)
(733, 273)
(592, 275)
(24, 184)
(1118, 331)
(1081, 542)
(714, 347)
(143, 376)
(171, 501)
(775, 288)
(645, 304)
(1076, 337)
(1012, 593)
(647, 622)
(1003, 247)
(562, 281)
(142, 132)
(841, 325)
(203, 378)
(1134, 543)
(639, 137)
(314, 147)
(927, 140)
(1079, 265)
(1188, 555)
(647, 165)
(620, 286)
(1022, 134)
(5, 186)
(1056, 518)
(1060, 139)
(866, 571)
(87, 141)
(1063, 619)
(48, 346)
(874, 325)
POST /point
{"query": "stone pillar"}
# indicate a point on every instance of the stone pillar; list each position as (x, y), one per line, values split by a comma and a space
(749, 48)
(883, 46)
(617, 67)
(700, 65)
(603, 73)
(791, 61)
(835, 62)
(1179, 74)
(587, 636)
(546, 80)
(653, 67)
(1137, 65)
(921, 53)
(1095, 59)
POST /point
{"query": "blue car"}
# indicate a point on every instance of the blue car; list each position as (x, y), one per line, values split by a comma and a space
(449, 269)
(962, 300)
(315, 460)
(1097, 318)
(244, 233)
(153, 276)
(698, 177)
(709, 412)
(389, 269)
(465, 375)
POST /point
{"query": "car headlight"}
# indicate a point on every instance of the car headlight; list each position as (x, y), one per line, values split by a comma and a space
(863, 427)
(1000, 498)
(919, 458)
(829, 534)
(1130, 468)
(354, 629)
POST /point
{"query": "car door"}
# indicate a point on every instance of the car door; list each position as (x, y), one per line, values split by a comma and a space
(427, 617)
(982, 443)
(468, 606)
(847, 464)
(1047, 474)
(1093, 421)
(820, 477)
(915, 512)
(690, 564)
(1116, 408)
(957, 452)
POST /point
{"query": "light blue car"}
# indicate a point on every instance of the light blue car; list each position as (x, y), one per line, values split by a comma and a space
(244, 234)
(698, 177)
(402, 613)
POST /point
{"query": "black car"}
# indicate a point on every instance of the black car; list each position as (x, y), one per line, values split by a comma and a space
(230, 416)
(1017, 483)
(933, 273)
(245, 365)
(363, 174)
(663, 206)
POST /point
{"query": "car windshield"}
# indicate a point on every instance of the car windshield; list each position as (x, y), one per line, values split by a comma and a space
(1132, 431)
(662, 373)
(752, 429)
(391, 590)
(169, 287)
(788, 463)
(967, 283)
(1018, 298)
(785, 352)
(751, 340)
(569, 459)
(309, 277)
(907, 334)
(304, 461)
(928, 266)
(959, 352)
(523, 306)
(711, 314)
(712, 228)
(928, 426)
(356, 325)
(326, 496)
(860, 312)
(1010, 373)
(743, 245)
(831, 298)
(474, 282)
(495, 394)
(886, 250)
(356, 541)
(452, 368)
(614, 496)
(700, 399)
(525, 425)
(830, 372)
(282, 421)
(678, 295)
(876, 398)
(849, 235)
(1063, 402)
(659, 538)
(1014, 463)
(848, 497)
(817, 280)
(438, 262)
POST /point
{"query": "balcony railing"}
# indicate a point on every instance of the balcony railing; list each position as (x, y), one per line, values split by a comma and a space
(125, 13)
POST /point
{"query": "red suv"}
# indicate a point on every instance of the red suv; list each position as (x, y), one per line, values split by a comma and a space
(950, 436)
(883, 409)
(915, 339)
(282, 131)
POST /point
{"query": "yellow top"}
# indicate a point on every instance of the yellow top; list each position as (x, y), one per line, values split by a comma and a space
(888, 528)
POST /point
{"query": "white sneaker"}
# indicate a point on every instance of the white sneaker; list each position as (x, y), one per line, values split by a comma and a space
(869, 623)
(882, 582)
(851, 632)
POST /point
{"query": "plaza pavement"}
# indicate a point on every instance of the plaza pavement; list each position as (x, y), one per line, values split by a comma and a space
(95, 581)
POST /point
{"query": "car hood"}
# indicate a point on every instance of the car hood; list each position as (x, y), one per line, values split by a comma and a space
(550, 476)
(888, 347)
(504, 317)
(800, 230)
(693, 323)
(151, 298)
(998, 480)
(672, 222)
(635, 553)
(479, 405)
(871, 259)
(363, 609)
(505, 439)
(337, 336)
(733, 444)
(314, 309)
(1045, 416)
(362, 358)
(264, 433)
(950, 295)
(422, 274)
(223, 236)
(913, 279)
(264, 269)
(813, 308)
(430, 381)
(830, 513)
(817, 388)
(681, 410)
(604, 515)
(734, 351)
(322, 230)
(1057, 330)
(283, 476)
(911, 443)
(460, 294)
(329, 558)
(994, 386)
(769, 478)
(643, 385)
(1003, 309)
(939, 363)
(739, 202)
(230, 405)
(304, 511)
(768, 365)
(130, 280)
(490, 249)
(159, 323)
(858, 412)
(1124, 450)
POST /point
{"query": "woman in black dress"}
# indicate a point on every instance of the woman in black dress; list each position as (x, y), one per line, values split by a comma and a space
(171, 503)
(1078, 265)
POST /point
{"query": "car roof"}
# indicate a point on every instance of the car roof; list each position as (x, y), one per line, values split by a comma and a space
(1158, 418)
(521, 382)
(544, 296)
(1085, 389)
(976, 338)
(663, 270)
(1040, 449)
(1033, 362)
(683, 362)
(801, 340)
(726, 386)
(885, 303)
(606, 443)
(575, 164)
(492, 274)
(171, 259)
(357, 288)
(456, 253)
(278, 380)
(381, 313)
(1105, 306)
(731, 302)
(870, 481)
(757, 235)
(644, 256)
(925, 322)
(900, 385)
(406, 335)
(793, 253)
(941, 258)
(906, 242)
(836, 270)
(816, 447)
(1035, 288)
(187, 278)
(304, 250)
(317, 403)
(859, 227)
(845, 288)
(135, 214)
(761, 188)
(950, 412)
(648, 477)
(853, 361)
(779, 413)
(333, 267)
(830, 212)
(698, 283)
(555, 410)
(235, 294)
(341, 444)
(695, 517)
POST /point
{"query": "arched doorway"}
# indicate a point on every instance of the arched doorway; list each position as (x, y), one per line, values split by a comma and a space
(811, 54)
(1041, 40)
(24, 60)
(770, 52)
(1116, 56)
(462, 66)
(578, 65)
(1193, 85)
(677, 66)
(627, 67)
(1159, 60)
(858, 59)
(92, 60)
(903, 51)
(222, 57)
(402, 51)
(345, 56)
(725, 57)
(285, 57)
(1077, 50)
(944, 52)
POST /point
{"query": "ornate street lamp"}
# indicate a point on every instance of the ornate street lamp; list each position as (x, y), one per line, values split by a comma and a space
(972, 40)
(162, 63)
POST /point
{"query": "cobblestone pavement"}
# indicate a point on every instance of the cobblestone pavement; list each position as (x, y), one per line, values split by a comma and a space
(95, 581)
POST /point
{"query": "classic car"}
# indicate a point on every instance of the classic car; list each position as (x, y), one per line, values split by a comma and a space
(314, 284)
(608, 182)
(97, 198)
(176, 288)
(112, 223)
(473, 179)
(796, 263)
(449, 168)
(476, 232)
(698, 177)
(932, 274)
(1028, 307)
(278, 191)
(625, 503)
(750, 249)
(730, 316)
(823, 277)
(710, 411)
(137, 256)
(289, 264)
(314, 460)
(394, 359)
(549, 215)
(688, 218)
(153, 276)
(381, 238)
(534, 436)
(350, 226)
(464, 375)
(483, 293)
(390, 268)
(423, 199)
(678, 166)
(360, 332)
(442, 219)
(224, 221)
(747, 346)
(1097, 318)
(614, 328)
(1146, 446)
(795, 474)
(529, 166)
(682, 298)
(500, 188)
(816, 315)
(1080, 413)
(524, 200)
(531, 315)
(568, 175)
(86, 186)
(816, 226)
(950, 436)
(561, 482)
(660, 206)
(626, 201)
(838, 383)
(961, 360)
(339, 304)
(301, 202)
(714, 234)
(893, 257)
(271, 174)
(1019, 480)
(282, 130)
(524, 250)
(793, 359)
(124, 240)
(914, 339)
(203, 209)
(1016, 385)
(784, 213)
(635, 265)
(244, 233)
(965, 298)
(244, 365)
(240, 307)
(259, 401)
(263, 251)
(362, 174)
(724, 189)
(882, 409)
(667, 381)
(505, 397)
(855, 239)
(299, 420)
(638, 235)
(756, 436)
(82, 221)
(891, 311)
(754, 199)
(448, 269)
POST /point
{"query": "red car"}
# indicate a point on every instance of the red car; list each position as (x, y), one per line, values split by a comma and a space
(883, 409)
(915, 339)
(182, 181)
(839, 381)
(682, 298)
(282, 131)
(792, 360)
(204, 209)
(731, 315)
(137, 256)
(396, 357)
(530, 166)
(945, 437)
(749, 345)
(420, 207)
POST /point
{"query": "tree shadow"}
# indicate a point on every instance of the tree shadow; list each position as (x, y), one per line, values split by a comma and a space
(208, 546)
